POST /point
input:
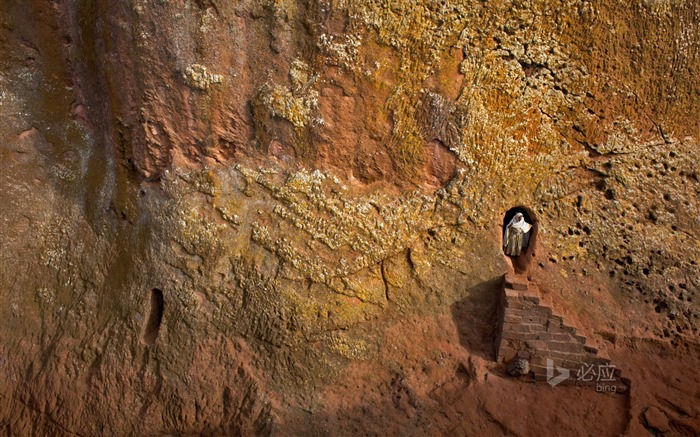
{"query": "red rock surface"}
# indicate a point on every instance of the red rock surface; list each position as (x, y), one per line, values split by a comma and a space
(285, 217)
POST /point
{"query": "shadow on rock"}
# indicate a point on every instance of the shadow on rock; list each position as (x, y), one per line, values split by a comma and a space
(475, 317)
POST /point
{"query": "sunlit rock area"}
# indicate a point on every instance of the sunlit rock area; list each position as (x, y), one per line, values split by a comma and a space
(288, 217)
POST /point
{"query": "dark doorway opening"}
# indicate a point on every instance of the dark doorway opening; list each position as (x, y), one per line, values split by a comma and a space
(521, 264)
(155, 317)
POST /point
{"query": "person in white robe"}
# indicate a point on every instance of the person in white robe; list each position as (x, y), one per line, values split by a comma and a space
(516, 235)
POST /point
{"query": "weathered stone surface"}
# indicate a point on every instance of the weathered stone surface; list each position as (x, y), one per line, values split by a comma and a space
(317, 190)
(655, 420)
(518, 367)
(530, 334)
(516, 282)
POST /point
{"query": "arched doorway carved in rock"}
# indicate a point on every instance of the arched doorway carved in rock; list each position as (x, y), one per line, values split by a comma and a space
(521, 264)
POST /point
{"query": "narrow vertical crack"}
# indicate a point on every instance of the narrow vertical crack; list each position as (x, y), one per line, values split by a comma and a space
(155, 317)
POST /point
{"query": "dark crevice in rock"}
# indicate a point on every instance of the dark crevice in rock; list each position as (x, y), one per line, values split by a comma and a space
(155, 317)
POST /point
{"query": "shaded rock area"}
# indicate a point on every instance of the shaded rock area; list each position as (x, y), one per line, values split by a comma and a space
(285, 217)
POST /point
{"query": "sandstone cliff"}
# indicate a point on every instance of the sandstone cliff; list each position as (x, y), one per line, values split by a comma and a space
(284, 217)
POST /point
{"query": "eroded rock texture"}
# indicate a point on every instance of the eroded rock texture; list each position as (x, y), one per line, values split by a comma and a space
(283, 217)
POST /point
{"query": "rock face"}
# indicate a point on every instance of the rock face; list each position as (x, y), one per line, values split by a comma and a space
(279, 217)
(518, 367)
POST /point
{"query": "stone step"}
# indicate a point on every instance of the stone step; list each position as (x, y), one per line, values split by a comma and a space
(569, 320)
(546, 300)
(516, 282)
(518, 288)
(590, 347)
(603, 353)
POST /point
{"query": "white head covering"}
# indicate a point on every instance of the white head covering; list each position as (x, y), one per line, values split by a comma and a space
(517, 222)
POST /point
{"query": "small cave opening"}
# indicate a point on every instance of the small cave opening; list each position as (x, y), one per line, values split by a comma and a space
(155, 317)
(522, 262)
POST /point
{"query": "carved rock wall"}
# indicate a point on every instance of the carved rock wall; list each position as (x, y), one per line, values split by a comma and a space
(311, 184)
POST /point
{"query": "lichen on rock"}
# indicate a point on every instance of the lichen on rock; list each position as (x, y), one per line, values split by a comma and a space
(198, 77)
(324, 215)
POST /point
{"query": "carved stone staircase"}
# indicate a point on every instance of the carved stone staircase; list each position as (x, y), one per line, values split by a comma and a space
(533, 328)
